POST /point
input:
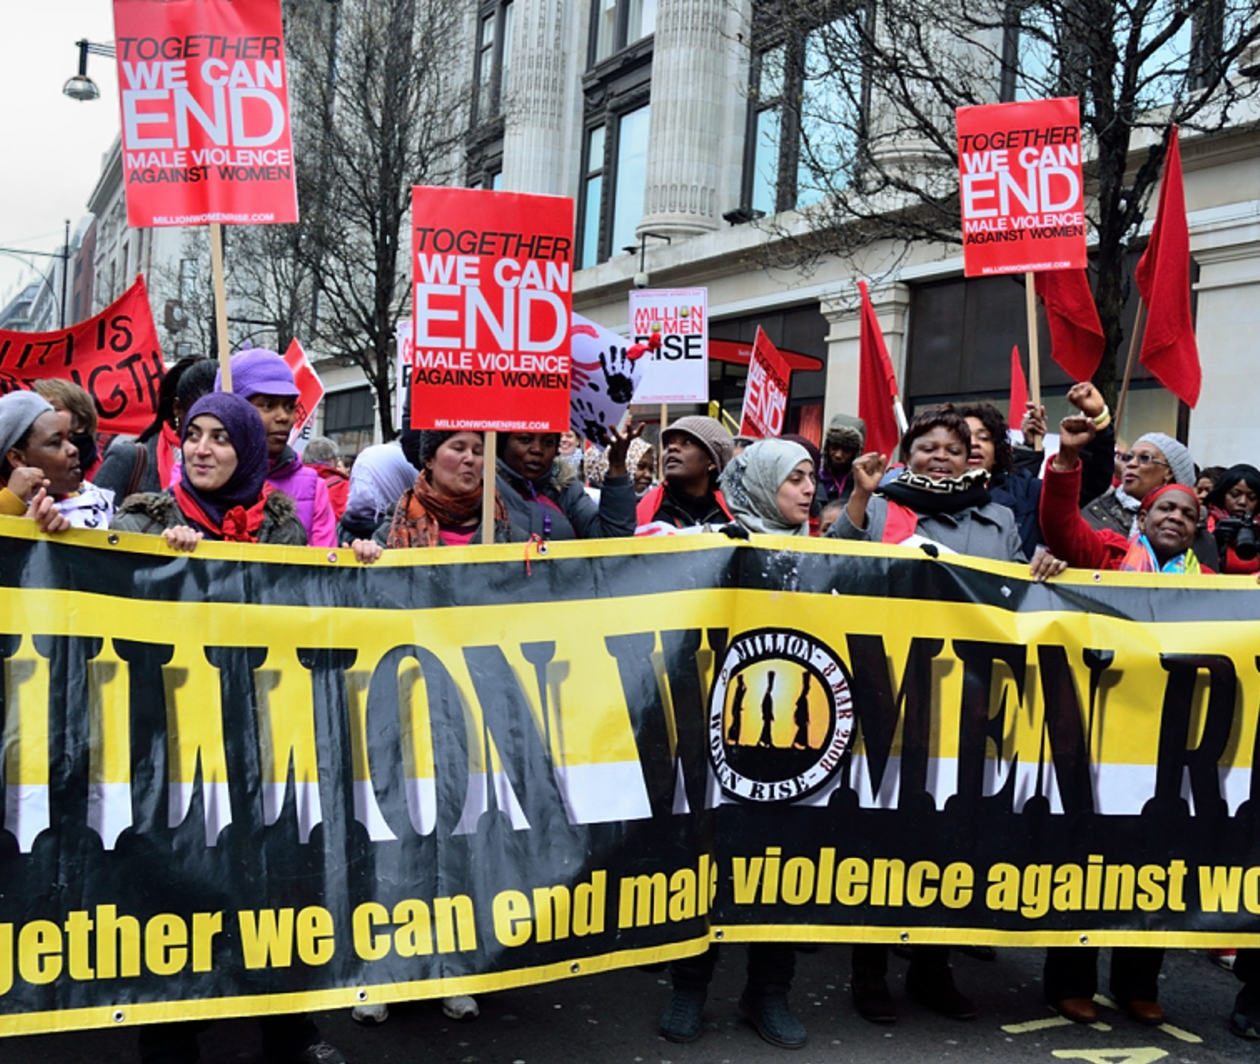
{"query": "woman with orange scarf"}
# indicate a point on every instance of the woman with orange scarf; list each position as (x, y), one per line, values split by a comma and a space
(443, 506)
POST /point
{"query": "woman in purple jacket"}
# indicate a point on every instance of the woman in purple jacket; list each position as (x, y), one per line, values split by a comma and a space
(264, 378)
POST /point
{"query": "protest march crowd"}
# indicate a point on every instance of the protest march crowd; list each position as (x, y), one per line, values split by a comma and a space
(217, 465)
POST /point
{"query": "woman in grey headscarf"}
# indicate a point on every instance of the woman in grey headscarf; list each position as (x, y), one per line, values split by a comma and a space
(769, 487)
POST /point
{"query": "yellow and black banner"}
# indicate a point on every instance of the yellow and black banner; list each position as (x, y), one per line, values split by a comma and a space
(240, 786)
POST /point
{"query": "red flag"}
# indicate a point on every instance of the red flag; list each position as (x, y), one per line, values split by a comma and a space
(1019, 391)
(1163, 277)
(1076, 335)
(877, 383)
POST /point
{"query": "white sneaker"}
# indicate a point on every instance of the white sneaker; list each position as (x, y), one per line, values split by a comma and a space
(370, 1015)
(460, 1007)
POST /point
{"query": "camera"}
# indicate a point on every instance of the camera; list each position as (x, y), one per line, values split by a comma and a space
(1241, 533)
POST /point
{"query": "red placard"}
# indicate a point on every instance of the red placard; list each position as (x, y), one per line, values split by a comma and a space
(493, 280)
(766, 393)
(115, 356)
(205, 112)
(1020, 187)
(310, 392)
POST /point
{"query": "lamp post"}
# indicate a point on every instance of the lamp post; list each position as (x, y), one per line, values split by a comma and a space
(81, 87)
(63, 255)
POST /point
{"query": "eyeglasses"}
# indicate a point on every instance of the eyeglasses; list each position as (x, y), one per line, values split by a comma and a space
(1147, 458)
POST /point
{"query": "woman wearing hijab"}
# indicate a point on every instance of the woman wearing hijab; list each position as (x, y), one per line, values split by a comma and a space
(379, 476)
(149, 462)
(222, 492)
(769, 488)
(1231, 518)
(265, 379)
(641, 462)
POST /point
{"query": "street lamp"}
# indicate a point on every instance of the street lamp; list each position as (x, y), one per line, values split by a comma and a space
(63, 255)
(81, 87)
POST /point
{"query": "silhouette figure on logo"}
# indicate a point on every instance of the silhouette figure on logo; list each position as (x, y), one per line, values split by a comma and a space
(767, 713)
(737, 711)
(801, 715)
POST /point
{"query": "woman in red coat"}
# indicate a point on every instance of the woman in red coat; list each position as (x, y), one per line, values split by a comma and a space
(1167, 522)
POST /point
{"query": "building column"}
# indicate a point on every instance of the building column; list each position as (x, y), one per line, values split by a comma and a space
(688, 94)
(842, 309)
(534, 99)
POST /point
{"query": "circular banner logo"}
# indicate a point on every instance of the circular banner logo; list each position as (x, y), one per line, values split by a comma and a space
(780, 716)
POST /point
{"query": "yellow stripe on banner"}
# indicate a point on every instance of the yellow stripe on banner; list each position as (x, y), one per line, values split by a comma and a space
(343, 997)
(560, 550)
(981, 936)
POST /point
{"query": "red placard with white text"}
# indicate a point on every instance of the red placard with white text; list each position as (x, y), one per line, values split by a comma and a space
(115, 356)
(493, 282)
(766, 391)
(310, 392)
(205, 112)
(1020, 187)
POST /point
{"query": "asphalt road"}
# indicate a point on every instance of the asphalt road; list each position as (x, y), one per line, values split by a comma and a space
(612, 1017)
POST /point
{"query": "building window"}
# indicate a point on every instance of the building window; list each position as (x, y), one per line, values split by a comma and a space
(494, 56)
(617, 24)
(613, 185)
(591, 197)
(806, 115)
(485, 165)
(629, 176)
(350, 419)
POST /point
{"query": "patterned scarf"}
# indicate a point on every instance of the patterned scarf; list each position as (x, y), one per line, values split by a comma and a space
(423, 511)
(1140, 558)
(937, 495)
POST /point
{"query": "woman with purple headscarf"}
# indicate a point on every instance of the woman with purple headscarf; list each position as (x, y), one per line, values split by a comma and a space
(222, 492)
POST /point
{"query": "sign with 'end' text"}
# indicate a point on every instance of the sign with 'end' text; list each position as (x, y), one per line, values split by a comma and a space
(493, 283)
(766, 391)
(1020, 187)
(205, 112)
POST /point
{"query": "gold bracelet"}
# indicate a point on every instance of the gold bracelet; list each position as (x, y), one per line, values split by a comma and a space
(1102, 420)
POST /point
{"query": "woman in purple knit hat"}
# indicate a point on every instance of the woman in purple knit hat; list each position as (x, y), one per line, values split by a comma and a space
(264, 378)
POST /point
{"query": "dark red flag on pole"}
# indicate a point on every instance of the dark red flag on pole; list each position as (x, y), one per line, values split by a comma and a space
(1076, 335)
(1163, 278)
(1019, 391)
(877, 383)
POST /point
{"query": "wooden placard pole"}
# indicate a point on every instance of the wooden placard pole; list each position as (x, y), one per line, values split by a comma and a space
(220, 304)
(1134, 341)
(660, 444)
(489, 470)
(1034, 357)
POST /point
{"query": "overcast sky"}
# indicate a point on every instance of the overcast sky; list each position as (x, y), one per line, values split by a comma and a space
(53, 145)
